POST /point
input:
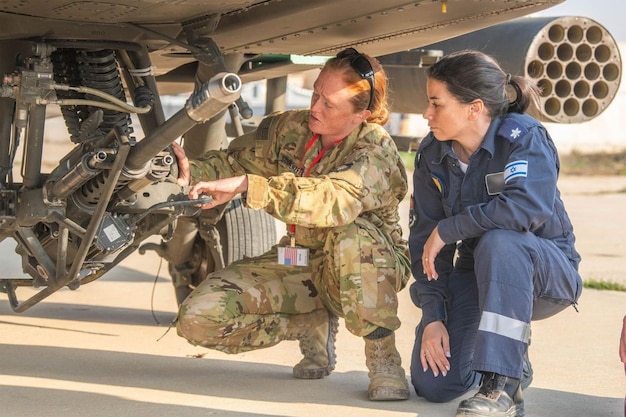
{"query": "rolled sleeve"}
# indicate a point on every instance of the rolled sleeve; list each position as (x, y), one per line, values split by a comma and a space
(257, 194)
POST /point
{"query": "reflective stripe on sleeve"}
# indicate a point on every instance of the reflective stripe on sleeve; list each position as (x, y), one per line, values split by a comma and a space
(504, 326)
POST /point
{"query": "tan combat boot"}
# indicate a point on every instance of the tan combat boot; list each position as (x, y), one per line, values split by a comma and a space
(317, 333)
(387, 378)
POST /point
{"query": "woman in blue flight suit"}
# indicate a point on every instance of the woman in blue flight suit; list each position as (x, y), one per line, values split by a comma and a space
(491, 244)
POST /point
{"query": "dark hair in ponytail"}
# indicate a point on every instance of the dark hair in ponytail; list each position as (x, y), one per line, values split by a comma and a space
(471, 75)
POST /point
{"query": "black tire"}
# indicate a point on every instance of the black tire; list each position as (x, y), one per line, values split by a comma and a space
(243, 233)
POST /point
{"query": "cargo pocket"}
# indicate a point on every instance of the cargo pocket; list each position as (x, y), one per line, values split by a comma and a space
(379, 278)
(557, 289)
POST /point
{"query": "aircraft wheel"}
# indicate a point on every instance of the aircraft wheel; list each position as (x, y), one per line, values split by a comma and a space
(242, 232)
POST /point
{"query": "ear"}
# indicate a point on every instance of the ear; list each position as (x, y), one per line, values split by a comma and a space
(362, 116)
(475, 109)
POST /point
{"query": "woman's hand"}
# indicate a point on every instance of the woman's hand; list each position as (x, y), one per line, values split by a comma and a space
(221, 191)
(432, 247)
(435, 348)
(184, 175)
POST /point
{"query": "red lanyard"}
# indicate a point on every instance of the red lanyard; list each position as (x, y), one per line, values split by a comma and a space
(319, 155)
(292, 227)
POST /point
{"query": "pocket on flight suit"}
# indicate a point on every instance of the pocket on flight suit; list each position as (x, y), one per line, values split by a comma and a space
(559, 288)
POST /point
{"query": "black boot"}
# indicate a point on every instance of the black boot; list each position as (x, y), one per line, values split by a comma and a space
(498, 396)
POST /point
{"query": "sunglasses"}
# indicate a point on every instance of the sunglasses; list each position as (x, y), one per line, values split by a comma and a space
(363, 67)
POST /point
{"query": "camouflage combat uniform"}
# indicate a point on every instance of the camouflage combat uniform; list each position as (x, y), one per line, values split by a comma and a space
(345, 212)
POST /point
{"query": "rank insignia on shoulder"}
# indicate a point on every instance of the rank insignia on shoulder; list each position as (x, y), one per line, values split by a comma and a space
(512, 129)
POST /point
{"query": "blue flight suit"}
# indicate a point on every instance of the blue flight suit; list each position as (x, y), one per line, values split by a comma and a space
(509, 254)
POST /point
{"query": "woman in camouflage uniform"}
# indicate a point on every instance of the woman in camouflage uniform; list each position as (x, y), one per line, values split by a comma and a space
(334, 176)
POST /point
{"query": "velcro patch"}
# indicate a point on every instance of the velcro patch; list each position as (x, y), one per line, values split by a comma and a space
(263, 131)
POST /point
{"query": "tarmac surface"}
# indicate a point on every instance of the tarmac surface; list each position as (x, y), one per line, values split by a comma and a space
(106, 350)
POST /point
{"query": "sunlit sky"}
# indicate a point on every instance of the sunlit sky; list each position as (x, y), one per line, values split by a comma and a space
(609, 13)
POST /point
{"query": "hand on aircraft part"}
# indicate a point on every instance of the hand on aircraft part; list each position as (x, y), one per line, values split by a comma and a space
(184, 175)
(221, 191)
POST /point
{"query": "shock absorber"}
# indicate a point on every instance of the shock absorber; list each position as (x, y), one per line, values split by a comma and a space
(96, 69)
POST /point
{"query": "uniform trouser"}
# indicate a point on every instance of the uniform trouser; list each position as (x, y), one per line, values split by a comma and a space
(517, 278)
(248, 304)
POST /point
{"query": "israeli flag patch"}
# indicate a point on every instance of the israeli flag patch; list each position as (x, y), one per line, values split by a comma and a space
(515, 169)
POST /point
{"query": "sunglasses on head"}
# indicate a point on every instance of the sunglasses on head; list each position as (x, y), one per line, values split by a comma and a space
(363, 67)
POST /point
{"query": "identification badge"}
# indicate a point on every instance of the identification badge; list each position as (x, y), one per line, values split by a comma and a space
(293, 256)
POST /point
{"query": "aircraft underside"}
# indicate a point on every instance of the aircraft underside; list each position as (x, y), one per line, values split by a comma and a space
(104, 67)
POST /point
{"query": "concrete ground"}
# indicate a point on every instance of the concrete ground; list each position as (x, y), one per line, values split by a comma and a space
(106, 349)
